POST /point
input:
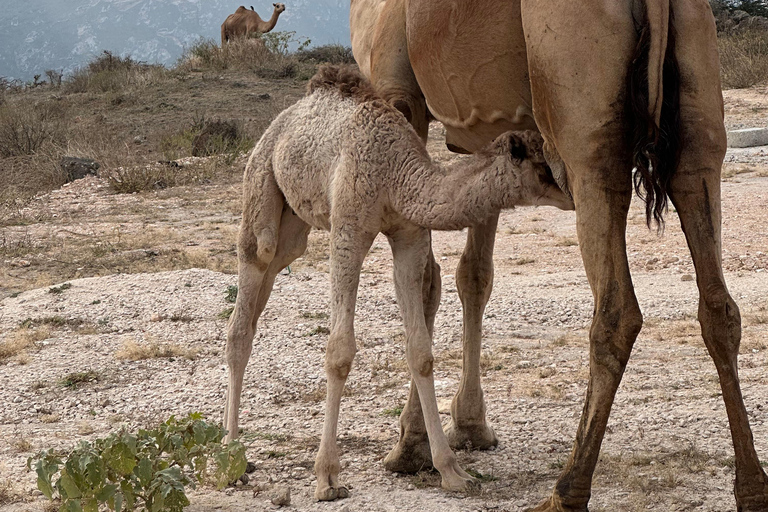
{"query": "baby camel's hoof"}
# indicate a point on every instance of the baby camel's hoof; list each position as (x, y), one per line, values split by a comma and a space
(331, 493)
(464, 485)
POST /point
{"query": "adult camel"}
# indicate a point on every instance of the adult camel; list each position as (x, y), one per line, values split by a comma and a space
(246, 23)
(611, 85)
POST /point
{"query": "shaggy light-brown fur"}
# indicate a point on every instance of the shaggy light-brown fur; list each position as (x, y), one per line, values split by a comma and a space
(247, 23)
(612, 85)
(343, 161)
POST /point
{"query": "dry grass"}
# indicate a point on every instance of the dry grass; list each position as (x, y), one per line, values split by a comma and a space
(109, 73)
(646, 475)
(9, 493)
(18, 342)
(259, 55)
(743, 58)
(133, 351)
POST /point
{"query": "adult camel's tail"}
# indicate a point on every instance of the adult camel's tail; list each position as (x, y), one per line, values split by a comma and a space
(653, 98)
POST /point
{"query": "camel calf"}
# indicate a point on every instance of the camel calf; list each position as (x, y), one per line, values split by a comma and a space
(343, 160)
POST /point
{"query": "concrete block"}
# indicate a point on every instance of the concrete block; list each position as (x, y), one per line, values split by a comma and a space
(748, 137)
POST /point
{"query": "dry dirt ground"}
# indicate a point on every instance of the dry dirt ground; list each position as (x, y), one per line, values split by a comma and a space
(667, 447)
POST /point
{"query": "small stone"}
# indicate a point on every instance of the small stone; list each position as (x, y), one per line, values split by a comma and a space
(250, 467)
(281, 496)
(156, 317)
(686, 277)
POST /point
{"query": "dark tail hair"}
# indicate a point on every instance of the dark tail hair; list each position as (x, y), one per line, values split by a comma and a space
(655, 147)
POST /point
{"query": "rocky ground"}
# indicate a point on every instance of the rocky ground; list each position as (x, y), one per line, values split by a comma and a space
(667, 446)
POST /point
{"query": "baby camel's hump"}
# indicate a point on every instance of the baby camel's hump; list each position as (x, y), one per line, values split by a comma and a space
(307, 153)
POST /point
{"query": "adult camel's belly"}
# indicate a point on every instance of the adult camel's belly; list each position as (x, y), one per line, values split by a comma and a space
(470, 61)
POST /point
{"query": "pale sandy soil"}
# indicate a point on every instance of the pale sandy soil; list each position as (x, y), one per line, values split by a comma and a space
(667, 447)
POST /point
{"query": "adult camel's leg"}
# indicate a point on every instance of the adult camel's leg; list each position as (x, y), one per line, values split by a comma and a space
(391, 71)
(474, 280)
(412, 452)
(695, 192)
(410, 249)
(260, 260)
(578, 86)
(349, 245)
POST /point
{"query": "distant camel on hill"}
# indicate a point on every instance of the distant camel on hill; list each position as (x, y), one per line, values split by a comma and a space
(244, 22)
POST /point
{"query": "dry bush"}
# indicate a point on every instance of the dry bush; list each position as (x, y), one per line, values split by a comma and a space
(743, 58)
(111, 73)
(27, 126)
(18, 342)
(9, 493)
(329, 53)
(133, 351)
(260, 55)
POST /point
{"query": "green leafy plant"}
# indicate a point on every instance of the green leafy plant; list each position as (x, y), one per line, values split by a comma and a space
(231, 296)
(280, 41)
(144, 471)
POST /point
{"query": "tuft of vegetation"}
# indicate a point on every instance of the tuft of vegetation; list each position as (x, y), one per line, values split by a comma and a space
(133, 351)
(395, 412)
(326, 54)
(76, 379)
(112, 73)
(58, 290)
(16, 344)
(225, 313)
(267, 56)
(27, 126)
(147, 470)
(751, 7)
(743, 58)
(231, 292)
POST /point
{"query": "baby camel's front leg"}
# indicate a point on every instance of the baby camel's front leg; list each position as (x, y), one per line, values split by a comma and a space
(410, 248)
(349, 245)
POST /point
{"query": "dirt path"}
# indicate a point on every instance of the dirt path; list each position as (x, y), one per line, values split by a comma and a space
(667, 447)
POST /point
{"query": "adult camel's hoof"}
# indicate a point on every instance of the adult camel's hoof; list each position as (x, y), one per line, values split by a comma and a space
(476, 437)
(552, 505)
(757, 503)
(331, 493)
(409, 456)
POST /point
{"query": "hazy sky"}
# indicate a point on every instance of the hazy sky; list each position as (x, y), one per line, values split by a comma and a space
(36, 35)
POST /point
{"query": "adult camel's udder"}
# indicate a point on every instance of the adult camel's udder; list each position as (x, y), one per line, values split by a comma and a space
(470, 62)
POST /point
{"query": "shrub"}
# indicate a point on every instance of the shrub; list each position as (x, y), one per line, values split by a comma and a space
(218, 137)
(751, 7)
(329, 53)
(26, 126)
(150, 468)
(111, 73)
(266, 55)
(743, 58)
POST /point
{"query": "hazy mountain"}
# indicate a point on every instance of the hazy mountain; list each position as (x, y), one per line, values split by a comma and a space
(37, 35)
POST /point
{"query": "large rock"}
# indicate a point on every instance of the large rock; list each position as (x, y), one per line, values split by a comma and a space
(77, 168)
(748, 137)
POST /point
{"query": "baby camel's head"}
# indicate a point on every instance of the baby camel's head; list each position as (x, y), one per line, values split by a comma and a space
(525, 151)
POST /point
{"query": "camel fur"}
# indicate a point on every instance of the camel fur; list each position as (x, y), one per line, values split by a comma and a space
(345, 161)
(612, 85)
(247, 23)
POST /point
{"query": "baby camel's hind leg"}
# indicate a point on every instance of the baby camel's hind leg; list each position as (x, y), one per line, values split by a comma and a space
(260, 260)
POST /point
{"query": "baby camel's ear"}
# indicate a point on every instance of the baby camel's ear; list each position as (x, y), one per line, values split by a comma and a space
(517, 146)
